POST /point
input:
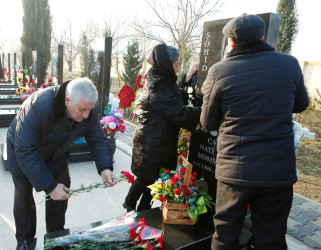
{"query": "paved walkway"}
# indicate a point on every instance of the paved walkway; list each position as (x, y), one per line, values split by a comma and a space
(304, 223)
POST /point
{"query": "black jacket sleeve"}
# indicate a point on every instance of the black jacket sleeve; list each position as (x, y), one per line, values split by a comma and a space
(301, 101)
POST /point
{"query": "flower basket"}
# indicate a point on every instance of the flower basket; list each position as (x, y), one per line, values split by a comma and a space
(177, 213)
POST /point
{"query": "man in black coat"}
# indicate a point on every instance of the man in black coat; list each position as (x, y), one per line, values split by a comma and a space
(38, 142)
(250, 97)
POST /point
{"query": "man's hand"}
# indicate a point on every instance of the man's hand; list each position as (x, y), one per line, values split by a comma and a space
(59, 193)
(108, 176)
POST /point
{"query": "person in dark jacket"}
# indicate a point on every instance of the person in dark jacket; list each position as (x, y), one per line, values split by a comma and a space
(38, 142)
(250, 97)
(156, 136)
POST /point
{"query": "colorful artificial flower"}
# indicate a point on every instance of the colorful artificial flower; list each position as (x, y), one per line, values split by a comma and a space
(113, 122)
(170, 188)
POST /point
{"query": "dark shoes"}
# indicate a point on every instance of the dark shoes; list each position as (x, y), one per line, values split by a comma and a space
(29, 244)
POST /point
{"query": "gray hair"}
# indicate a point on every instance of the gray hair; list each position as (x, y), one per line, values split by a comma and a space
(173, 53)
(81, 88)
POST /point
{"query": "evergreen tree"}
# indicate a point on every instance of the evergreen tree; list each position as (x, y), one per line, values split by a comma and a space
(289, 25)
(84, 56)
(36, 29)
(132, 64)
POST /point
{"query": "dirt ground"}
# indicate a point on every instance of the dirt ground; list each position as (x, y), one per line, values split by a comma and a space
(309, 158)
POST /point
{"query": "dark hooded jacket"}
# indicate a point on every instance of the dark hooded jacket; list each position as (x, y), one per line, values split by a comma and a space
(250, 97)
(163, 114)
(40, 136)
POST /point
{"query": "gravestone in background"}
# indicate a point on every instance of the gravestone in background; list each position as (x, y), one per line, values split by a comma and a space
(1, 70)
(202, 153)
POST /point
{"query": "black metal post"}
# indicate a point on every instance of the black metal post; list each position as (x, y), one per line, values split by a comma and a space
(23, 66)
(106, 74)
(9, 68)
(15, 68)
(60, 63)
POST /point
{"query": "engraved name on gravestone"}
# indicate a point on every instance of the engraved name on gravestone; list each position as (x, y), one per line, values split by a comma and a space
(202, 151)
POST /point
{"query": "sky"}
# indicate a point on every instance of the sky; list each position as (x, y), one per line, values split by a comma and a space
(305, 47)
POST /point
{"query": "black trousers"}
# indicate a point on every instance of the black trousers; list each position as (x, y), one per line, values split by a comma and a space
(137, 190)
(270, 208)
(24, 208)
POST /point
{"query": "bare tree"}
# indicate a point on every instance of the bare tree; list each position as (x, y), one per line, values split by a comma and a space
(73, 43)
(179, 20)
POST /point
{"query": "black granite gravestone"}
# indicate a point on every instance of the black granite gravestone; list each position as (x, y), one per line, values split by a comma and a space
(202, 152)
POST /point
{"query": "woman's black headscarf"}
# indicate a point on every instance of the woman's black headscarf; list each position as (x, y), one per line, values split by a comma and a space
(162, 65)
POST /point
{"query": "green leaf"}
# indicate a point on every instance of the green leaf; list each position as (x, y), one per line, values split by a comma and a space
(161, 171)
(193, 214)
(200, 203)
(164, 193)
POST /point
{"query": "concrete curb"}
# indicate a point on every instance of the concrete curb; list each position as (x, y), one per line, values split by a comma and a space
(124, 147)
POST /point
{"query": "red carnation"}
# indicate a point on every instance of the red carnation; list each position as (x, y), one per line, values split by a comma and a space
(177, 191)
(182, 170)
(183, 187)
(166, 171)
(126, 96)
(174, 179)
(184, 154)
(187, 193)
(160, 241)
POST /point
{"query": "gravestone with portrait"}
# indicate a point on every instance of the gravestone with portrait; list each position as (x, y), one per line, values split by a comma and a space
(202, 151)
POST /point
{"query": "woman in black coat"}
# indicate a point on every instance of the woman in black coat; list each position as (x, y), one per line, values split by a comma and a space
(163, 114)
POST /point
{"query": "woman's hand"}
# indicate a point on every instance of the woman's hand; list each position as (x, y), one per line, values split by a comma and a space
(192, 70)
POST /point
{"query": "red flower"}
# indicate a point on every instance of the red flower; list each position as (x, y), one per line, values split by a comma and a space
(140, 239)
(194, 174)
(141, 223)
(182, 170)
(248, 207)
(183, 187)
(184, 154)
(128, 176)
(132, 234)
(187, 193)
(166, 171)
(174, 179)
(160, 198)
(149, 246)
(126, 96)
(160, 241)
(164, 199)
(177, 191)
(122, 129)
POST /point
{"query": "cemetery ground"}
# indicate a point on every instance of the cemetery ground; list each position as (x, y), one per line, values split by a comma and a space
(308, 154)
(309, 157)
